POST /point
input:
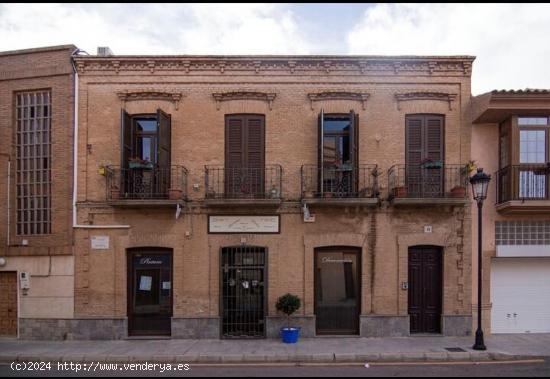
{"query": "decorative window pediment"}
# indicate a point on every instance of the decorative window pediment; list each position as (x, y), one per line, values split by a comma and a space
(339, 95)
(423, 95)
(150, 94)
(244, 95)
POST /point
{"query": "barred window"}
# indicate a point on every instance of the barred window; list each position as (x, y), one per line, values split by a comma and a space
(33, 156)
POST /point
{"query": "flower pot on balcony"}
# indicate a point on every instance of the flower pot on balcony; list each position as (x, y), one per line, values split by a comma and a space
(328, 195)
(174, 194)
(115, 194)
(400, 191)
(309, 194)
(458, 191)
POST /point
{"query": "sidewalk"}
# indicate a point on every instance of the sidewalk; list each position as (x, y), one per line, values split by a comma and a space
(321, 350)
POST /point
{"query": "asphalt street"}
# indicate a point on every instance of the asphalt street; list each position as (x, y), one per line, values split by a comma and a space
(533, 368)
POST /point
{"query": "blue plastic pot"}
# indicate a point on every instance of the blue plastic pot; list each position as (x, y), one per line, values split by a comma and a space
(290, 335)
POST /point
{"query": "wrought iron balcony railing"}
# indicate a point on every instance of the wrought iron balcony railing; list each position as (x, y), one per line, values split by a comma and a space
(146, 183)
(343, 181)
(523, 182)
(434, 180)
(243, 182)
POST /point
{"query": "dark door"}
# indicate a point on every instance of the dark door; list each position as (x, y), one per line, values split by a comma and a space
(149, 292)
(8, 304)
(424, 136)
(337, 290)
(243, 292)
(425, 289)
(244, 156)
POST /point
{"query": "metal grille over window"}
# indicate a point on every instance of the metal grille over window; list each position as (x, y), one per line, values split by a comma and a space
(243, 292)
(33, 178)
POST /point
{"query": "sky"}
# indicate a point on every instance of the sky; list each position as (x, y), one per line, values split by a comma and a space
(511, 41)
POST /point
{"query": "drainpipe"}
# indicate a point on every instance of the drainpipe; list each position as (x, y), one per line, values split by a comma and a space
(75, 161)
(9, 203)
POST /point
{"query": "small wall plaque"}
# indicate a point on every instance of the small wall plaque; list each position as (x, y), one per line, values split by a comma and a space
(244, 224)
(100, 242)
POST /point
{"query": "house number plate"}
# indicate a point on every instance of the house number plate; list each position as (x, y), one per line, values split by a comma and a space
(243, 224)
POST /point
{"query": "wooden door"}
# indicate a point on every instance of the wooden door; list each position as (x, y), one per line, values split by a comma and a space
(425, 289)
(244, 156)
(8, 304)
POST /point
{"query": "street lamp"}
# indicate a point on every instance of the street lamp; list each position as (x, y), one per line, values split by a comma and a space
(480, 183)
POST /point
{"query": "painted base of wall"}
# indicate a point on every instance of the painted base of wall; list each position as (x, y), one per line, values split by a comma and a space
(275, 323)
(73, 329)
(196, 328)
(384, 326)
(456, 325)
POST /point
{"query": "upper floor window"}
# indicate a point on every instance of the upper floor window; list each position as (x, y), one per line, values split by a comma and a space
(539, 121)
(33, 162)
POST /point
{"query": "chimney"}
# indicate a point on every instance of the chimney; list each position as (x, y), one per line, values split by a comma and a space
(104, 51)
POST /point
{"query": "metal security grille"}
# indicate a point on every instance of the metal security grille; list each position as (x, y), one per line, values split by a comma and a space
(243, 282)
(33, 179)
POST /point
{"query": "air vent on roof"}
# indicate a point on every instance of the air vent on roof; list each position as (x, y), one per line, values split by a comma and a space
(104, 51)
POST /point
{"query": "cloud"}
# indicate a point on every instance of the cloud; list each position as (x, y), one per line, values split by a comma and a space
(154, 28)
(509, 40)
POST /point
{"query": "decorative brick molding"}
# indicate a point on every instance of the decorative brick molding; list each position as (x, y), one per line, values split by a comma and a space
(244, 95)
(339, 95)
(150, 94)
(299, 64)
(424, 95)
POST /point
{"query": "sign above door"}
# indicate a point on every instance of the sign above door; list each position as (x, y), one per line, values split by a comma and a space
(244, 224)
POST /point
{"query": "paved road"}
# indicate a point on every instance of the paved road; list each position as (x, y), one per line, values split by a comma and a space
(530, 369)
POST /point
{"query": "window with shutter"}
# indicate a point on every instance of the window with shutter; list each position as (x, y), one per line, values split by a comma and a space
(424, 143)
(244, 155)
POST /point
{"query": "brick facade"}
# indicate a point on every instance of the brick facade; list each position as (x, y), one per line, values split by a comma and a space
(184, 87)
(48, 257)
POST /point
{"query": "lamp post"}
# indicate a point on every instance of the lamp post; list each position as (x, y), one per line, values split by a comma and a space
(480, 183)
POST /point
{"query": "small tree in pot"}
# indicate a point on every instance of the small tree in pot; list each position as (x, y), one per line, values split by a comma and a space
(288, 304)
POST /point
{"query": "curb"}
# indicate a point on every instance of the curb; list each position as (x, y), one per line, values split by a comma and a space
(429, 357)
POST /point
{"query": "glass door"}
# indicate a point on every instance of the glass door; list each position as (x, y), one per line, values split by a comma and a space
(337, 291)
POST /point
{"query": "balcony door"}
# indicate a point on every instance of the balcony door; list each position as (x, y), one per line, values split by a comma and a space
(338, 153)
(424, 172)
(533, 155)
(244, 156)
(146, 155)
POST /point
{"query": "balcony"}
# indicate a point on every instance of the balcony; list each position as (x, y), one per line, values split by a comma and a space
(428, 184)
(344, 185)
(250, 186)
(146, 186)
(523, 188)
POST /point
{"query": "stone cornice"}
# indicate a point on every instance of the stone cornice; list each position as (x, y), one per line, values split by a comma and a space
(338, 95)
(150, 94)
(288, 65)
(425, 95)
(243, 95)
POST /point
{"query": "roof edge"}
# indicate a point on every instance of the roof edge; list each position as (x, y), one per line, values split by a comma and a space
(38, 50)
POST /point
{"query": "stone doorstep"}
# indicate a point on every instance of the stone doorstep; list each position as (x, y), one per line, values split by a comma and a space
(280, 358)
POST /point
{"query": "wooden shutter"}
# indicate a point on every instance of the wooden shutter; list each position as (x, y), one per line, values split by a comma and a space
(414, 136)
(164, 150)
(434, 138)
(354, 150)
(234, 151)
(255, 153)
(126, 138)
(320, 150)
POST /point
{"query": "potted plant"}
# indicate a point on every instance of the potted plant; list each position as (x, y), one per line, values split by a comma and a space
(458, 191)
(115, 193)
(174, 193)
(274, 193)
(400, 191)
(288, 304)
(137, 162)
(431, 164)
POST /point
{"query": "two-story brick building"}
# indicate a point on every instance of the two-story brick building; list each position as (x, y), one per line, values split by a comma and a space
(510, 140)
(36, 160)
(207, 186)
